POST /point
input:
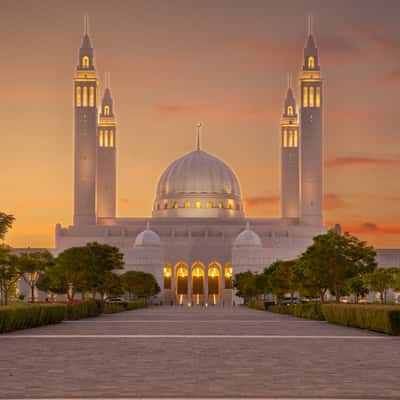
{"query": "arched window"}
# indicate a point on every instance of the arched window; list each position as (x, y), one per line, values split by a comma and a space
(210, 204)
(228, 276)
(290, 138)
(176, 204)
(85, 62)
(84, 97)
(198, 204)
(220, 204)
(187, 204)
(106, 110)
(318, 97)
(167, 276)
(101, 138)
(285, 138)
(78, 96)
(230, 204)
(165, 205)
(296, 138)
(311, 96)
(305, 96)
(105, 138)
(290, 110)
(311, 62)
(91, 96)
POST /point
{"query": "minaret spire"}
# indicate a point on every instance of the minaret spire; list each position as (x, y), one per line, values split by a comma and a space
(198, 128)
(310, 24)
(86, 24)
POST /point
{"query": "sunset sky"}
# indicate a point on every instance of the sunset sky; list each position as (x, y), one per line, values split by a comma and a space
(223, 62)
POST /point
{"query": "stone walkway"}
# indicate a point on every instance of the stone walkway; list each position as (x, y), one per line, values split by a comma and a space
(170, 352)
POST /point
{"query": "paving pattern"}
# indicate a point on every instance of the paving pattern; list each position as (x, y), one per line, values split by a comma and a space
(176, 352)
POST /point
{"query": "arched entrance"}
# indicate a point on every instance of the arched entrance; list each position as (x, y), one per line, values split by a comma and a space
(214, 286)
(181, 281)
(198, 277)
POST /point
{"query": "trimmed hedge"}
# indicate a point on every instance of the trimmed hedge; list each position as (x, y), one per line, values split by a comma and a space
(134, 305)
(256, 304)
(307, 310)
(30, 315)
(110, 308)
(83, 309)
(379, 318)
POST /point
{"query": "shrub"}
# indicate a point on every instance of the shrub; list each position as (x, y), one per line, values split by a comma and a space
(256, 304)
(133, 305)
(268, 304)
(379, 318)
(111, 308)
(82, 309)
(280, 309)
(30, 316)
(308, 310)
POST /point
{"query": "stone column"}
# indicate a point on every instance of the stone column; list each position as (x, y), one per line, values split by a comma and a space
(205, 285)
(173, 283)
(189, 291)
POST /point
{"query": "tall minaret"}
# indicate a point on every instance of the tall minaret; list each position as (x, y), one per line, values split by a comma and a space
(311, 138)
(85, 105)
(106, 157)
(290, 157)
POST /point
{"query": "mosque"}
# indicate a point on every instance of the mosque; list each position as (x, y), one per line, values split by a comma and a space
(198, 236)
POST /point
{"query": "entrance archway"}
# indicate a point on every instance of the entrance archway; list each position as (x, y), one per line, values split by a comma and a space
(181, 283)
(214, 289)
(198, 277)
(228, 276)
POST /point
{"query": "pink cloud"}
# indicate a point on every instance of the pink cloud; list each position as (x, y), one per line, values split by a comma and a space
(372, 228)
(333, 202)
(360, 161)
(259, 201)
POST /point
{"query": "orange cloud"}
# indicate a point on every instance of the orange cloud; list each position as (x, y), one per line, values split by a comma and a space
(333, 202)
(171, 110)
(360, 161)
(259, 201)
(372, 228)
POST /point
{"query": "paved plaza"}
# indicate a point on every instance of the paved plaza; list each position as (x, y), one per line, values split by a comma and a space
(169, 352)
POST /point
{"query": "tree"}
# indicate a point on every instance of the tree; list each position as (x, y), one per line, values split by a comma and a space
(245, 284)
(31, 265)
(333, 259)
(6, 222)
(9, 273)
(139, 284)
(110, 284)
(357, 287)
(380, 281)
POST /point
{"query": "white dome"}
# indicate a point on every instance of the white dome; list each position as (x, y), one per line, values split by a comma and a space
(248, 238)
(147, 238)
(198, 185)
(198, 172)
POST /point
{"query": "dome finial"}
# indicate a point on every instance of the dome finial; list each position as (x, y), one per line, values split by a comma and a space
(247, 225)
(147, 225)
(198, 126)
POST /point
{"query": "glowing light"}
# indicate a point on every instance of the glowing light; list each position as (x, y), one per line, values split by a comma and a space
(198, 204)
(107, 110)
(176, 204)
(305, 96)
(311, 62)
(105, 138)
(285, 138)
(220, 205)
(187, 204)
(78, 96)
(290, 110)
(101, 138)
(318, 97)
(91, 96)
(311, 96)
(85, 62)
(111, 139)
(210, 204)
(85, 97)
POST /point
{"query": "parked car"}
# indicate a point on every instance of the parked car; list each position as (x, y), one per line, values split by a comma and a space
(114, 300)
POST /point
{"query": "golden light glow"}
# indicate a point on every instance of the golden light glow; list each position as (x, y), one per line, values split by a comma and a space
(220, 205)
(210, 204)
(111, 138)
(176, 204)
(182, 272)
(85, 97)
(85, 62)
(230, 204)
(105, 138)
(101, 138)
(187, 204)
(213, 272)
(198, 204)
(78, 96)
(107, 110)
(311, 96)
(318, 97)
(290, 139)
(296, 138)
(167, 272)
(305, 96)
(198, 272)
(290, 110)
(285, 139)
(91, 96)
(311, 62)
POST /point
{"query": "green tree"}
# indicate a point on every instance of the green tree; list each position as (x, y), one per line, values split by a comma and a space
(380, 281)
(9, 273)
(31, 265)
(357, 287)
(333, 259)
(110, 285)
(6, 222)
(245, 285)
(139, 284)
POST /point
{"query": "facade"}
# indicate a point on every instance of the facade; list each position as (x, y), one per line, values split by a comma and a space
(198, 235)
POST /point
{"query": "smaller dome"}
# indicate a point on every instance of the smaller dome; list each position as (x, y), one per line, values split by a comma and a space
(147, 238)
(248, 238)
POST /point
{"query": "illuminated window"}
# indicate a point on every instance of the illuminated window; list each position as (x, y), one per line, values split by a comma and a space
(111, 138)
(311, 96)
(84, 97)
(311, 62)
(230, 204)
(296, 138)
(290, 139)
(176, 204)
(228, 277)
(101, 138)
(166, 205)
(105, 138)
(167, 276)
(198, 204)
(285, 139)
(187, 204)
(106, 110)
(91, 96)
(318, 97)
(85, 62)
(290, 110)
(210, 204)
(78, 96)
(220, 205)
(305, 96)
